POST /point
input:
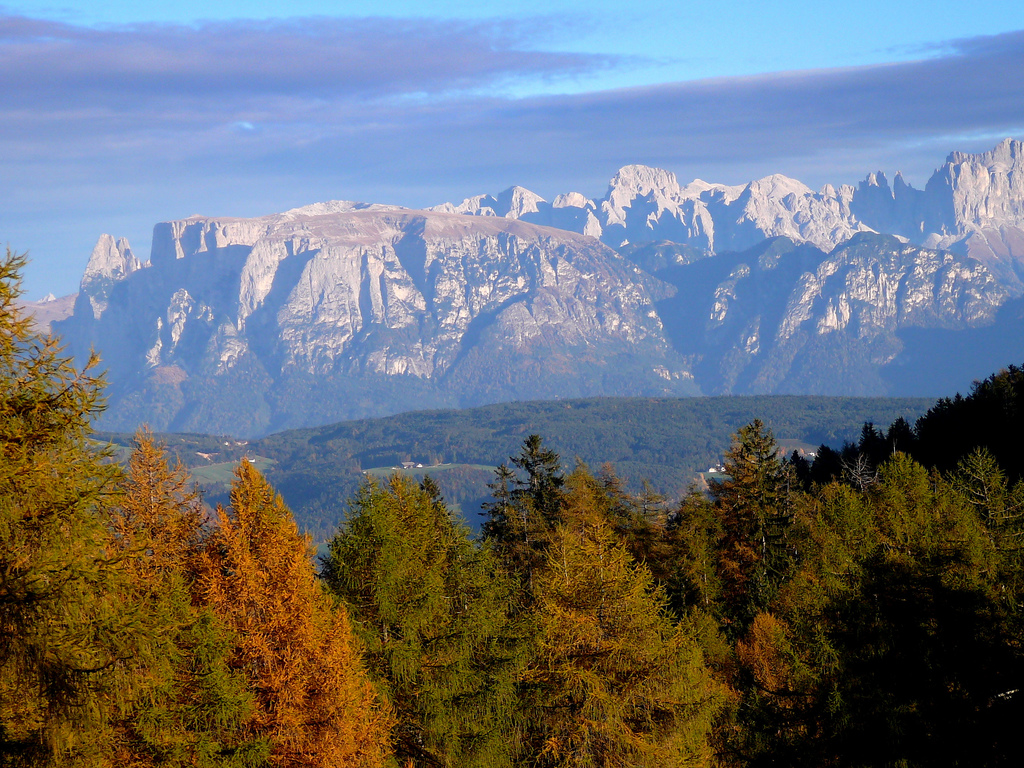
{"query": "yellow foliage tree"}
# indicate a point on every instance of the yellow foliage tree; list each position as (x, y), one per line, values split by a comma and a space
(64, 626)
(615, 682)
(314, 700)
(187, 707)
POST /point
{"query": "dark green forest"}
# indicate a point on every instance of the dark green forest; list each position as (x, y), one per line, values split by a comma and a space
(663, 442)
(864, 609)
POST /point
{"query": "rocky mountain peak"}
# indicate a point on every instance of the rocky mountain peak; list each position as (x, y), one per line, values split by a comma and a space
(515, 202)
(111, 261)
(638, 180)
(1007, 152)
(573, 200)
(343, 309)
(778, 187)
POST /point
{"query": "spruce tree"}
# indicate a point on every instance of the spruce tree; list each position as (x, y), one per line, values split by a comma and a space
(754, 502)
(526, 509)
(434, 612)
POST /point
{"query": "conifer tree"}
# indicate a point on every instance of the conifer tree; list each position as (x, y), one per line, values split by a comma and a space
(892, 643)
(64, 625)
(434, 612)
(314, 701)
(187, 706)
(526, 509)
(612, 681)
(755, 505)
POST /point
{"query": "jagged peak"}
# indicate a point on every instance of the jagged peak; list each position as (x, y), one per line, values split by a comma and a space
(516, 201)
(111, 259)
(573, 200)
(876, 179)
(644, 179)
(1009, 151)
(777, 186)
(478, 205)
(698, 189)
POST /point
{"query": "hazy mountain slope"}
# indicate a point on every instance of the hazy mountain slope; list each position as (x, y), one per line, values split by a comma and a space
(342, 310)
(786, 317)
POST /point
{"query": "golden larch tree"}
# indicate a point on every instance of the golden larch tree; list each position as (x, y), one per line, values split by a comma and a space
(614, 682)
(314, 700)
(187, 707)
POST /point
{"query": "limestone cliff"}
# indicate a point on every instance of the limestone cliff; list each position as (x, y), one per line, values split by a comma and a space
(337, 297)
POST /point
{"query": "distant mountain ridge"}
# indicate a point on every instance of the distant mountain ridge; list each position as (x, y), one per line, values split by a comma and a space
(342, 310)
(973, 204)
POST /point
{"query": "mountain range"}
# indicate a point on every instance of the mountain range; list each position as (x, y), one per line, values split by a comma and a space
(342, 310)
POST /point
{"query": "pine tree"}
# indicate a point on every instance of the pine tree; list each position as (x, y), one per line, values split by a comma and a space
(314, 700)
(65, 628)
(612, 681)
(434, 612)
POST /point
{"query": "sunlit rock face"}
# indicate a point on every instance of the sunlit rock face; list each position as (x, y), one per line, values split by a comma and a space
(111, 261)
(338, 297)
(645, 204)
(973, 204)
(341, 309)
(786, 317)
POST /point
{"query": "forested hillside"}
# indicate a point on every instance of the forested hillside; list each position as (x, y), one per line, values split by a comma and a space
(781, 617)
(665, 442)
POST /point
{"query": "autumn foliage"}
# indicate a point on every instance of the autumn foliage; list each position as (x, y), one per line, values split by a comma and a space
(864, 611)
(313, 700)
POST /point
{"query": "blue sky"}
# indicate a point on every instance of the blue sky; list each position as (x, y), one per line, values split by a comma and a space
(119, 115)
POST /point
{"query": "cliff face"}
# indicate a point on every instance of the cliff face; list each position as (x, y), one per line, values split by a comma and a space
(785, 317)
(342, 309)
(973, 204)
(341, 297)
(645, 204)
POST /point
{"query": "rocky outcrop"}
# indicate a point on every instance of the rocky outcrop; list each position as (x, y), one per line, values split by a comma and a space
(464, 310)
(645, 204)
(786, 317)
(111, 261)
(973, 204)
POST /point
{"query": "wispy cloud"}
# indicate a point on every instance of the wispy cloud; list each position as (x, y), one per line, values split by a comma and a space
(309, 58)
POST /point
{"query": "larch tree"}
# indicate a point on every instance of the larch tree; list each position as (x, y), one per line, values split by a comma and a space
(65, 627)
(434, 611)
(313, 699)
(187, 708)
(612, 681)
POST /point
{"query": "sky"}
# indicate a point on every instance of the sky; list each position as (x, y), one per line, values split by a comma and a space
(118, 115)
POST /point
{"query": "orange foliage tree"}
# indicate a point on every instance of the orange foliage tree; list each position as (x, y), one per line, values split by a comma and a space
(314, 700)
(186, 707)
